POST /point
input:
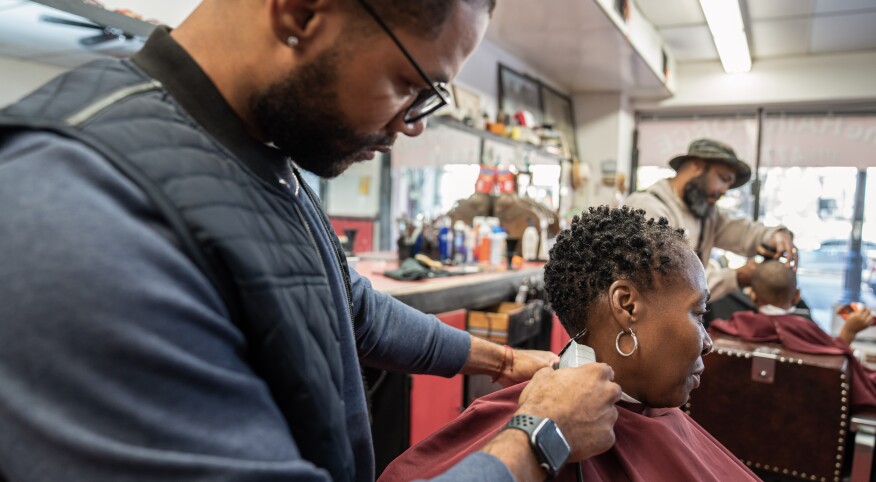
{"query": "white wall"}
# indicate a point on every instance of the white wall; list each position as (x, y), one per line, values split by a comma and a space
(357, 191)
(827, 79)
(605, 128)
(168, 12)
(19, 78)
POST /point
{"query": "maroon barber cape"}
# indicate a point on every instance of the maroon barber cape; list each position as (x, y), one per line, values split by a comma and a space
(652, 445)
(799, 334)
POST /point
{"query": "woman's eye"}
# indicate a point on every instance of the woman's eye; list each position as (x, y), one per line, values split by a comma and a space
(700, 316)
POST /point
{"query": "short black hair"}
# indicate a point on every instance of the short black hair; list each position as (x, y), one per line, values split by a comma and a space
(602, 246)
(773, 283)
(425, 17)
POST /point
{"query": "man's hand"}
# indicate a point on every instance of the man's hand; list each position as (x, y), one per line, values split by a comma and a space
(783, 241)
(580, 401)
(743, 274)
(504, 364)
(856, 322)
(523, 364)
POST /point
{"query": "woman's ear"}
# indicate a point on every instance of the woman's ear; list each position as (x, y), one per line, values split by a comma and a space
(624, 303)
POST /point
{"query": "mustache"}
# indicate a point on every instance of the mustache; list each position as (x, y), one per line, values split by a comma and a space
(380, 140)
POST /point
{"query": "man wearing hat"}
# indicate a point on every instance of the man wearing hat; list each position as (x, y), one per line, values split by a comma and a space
(708, 170)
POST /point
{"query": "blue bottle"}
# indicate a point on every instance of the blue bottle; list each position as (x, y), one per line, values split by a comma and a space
(459, 254)
(445, 242)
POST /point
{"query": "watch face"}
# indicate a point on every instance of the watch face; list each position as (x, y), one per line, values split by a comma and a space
(552, 445)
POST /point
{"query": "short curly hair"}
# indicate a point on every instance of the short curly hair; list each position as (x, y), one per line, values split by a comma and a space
(602, 246)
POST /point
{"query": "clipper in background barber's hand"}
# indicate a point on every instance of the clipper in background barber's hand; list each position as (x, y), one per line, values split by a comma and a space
(781, 246)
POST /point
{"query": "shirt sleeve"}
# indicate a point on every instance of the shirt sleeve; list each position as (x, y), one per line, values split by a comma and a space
(117, 358)
(478, 466)
(393, 336)
(741, 235)
(653, 207)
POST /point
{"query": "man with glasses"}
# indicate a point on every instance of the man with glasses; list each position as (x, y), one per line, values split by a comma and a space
(175, 305)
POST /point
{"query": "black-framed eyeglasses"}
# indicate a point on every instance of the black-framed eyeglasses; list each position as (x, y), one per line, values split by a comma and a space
(428, 101)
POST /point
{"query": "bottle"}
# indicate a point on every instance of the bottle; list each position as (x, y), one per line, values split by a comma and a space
(470, 243)
(529, 243)
(484, 233)
(542, 244)
(459, 242)
(445, 242)
(497, 246)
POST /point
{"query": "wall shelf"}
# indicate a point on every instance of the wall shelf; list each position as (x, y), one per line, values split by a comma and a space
(585, 46)
(489, 136)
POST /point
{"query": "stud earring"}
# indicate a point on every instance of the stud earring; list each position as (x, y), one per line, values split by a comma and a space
(292, 41)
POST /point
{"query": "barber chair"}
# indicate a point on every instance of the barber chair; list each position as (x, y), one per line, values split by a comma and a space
(724, 307)
(784, 414)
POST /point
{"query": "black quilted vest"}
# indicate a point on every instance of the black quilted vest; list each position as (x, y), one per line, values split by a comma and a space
(244, 233)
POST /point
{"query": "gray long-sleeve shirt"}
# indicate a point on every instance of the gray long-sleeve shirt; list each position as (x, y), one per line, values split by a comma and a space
(117, 358)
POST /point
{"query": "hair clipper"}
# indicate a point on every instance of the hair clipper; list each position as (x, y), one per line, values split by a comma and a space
(575, 355)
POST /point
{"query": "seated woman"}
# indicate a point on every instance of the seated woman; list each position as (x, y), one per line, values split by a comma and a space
(632, 294)
(774, 291)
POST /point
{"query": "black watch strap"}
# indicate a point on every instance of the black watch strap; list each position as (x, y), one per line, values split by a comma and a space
(535, 428)
(527, 423)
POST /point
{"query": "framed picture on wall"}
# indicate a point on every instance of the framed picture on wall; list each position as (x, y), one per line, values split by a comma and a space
(558, 113)
(468, 102)
(518, 92)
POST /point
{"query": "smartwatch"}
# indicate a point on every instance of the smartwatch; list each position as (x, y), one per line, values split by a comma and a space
(547, 442)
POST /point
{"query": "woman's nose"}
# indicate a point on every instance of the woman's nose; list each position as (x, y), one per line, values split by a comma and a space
(707, 344)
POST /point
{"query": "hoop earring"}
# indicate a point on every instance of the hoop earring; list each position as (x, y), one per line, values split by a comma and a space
(292, 41)
(617, 343)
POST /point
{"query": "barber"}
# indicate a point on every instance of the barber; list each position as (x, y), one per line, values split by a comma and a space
(175, 304)
(689, 201)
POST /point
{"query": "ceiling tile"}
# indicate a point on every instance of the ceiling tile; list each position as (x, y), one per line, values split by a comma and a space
(4, 4)
(677, 12)
(827, 6)
(21, 26)
(690, 43)
(843, 32)
(776, 38)
(760, 9)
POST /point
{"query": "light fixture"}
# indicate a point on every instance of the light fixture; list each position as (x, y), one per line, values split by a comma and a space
(728, 31)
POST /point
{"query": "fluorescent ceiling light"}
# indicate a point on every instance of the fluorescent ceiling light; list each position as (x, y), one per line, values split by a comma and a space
(728, 31)
(733, 50)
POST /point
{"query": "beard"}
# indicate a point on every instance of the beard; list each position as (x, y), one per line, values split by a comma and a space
(301, 115)
(696, 196)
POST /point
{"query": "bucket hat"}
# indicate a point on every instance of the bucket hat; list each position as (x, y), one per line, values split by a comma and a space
(714, 151)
